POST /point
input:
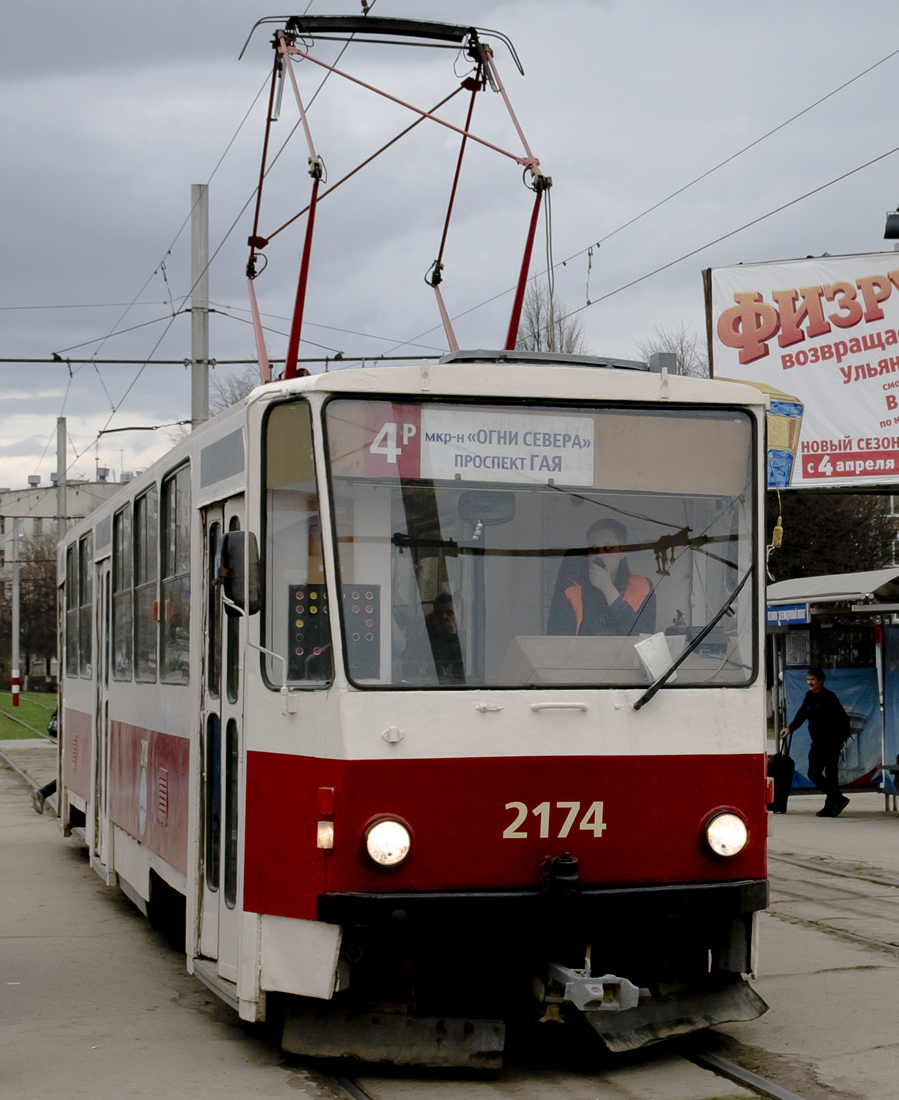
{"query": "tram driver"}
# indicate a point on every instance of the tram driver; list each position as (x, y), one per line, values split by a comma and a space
(443, 634)
(596, 592)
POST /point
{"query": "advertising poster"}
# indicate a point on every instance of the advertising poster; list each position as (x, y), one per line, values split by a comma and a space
(819, 336)
(858, 691)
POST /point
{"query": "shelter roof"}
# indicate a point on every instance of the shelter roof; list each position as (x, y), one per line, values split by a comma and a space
(873, 585)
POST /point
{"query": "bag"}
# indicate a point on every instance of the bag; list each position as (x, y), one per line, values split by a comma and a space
(781, 767)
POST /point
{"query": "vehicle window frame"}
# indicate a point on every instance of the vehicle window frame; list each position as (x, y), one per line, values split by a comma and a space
(265, 581)
(664, 408)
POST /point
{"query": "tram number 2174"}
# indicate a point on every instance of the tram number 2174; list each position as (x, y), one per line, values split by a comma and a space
(591, 822)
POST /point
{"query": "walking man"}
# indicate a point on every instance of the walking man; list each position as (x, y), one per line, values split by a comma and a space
(828, 726)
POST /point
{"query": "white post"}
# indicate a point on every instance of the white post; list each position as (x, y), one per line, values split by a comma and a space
(15, 612)
(199, 304)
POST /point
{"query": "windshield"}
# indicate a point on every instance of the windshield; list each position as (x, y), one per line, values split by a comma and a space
(509, 546)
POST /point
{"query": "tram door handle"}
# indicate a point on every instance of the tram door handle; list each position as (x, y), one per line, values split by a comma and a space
(559, 706)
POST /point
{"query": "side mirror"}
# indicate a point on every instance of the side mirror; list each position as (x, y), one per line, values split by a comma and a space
(240, 571)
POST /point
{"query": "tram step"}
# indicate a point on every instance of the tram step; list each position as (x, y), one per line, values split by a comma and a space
(400, 1040)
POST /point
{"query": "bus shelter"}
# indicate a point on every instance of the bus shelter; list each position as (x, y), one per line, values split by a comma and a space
(848, 625)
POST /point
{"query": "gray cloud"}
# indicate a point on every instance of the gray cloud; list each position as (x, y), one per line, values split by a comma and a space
(110, 114)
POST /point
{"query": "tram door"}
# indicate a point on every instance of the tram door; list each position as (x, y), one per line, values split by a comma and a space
(222, 749)
(100, 841)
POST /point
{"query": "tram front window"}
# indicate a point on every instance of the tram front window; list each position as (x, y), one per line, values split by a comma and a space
(513, 546)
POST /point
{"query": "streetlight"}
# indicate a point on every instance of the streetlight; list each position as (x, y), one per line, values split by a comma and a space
(891, 230)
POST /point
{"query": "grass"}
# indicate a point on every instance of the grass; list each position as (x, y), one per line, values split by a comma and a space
(35, 708)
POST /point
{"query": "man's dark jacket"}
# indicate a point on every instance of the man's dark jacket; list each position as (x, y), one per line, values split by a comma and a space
(828, 723)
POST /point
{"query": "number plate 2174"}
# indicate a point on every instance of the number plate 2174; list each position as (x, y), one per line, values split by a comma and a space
(556, 820)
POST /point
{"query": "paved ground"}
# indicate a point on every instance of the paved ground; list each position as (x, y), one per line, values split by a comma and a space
(94, 1004)
(830, 952)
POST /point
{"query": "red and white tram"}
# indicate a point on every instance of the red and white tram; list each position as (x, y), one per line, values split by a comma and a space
(410, 822)
(432, 694)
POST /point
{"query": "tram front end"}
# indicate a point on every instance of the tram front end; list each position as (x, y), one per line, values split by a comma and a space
(526, 635)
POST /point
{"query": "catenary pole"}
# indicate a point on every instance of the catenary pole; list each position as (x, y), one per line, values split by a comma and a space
(199, 304)
(15, 611)
(61, 501)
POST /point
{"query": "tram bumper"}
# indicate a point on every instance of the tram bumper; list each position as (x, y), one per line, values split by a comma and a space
(624, 1020)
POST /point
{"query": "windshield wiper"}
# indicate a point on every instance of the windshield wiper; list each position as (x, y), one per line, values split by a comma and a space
(688, 649)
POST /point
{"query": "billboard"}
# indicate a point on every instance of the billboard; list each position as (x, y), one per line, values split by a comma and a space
(819, 336)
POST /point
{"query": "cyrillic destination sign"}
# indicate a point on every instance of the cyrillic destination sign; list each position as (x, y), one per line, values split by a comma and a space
(468, 444)
(820, 336)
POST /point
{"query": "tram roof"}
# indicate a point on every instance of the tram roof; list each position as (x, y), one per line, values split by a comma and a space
(518, 374)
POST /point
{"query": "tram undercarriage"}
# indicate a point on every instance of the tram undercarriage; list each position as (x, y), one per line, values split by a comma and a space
(434, 979)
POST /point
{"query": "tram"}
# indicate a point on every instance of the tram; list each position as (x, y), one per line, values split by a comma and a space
(431, 694)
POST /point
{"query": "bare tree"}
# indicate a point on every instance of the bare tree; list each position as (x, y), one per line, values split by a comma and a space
(690, 350)
(226, 389)
(544, 326)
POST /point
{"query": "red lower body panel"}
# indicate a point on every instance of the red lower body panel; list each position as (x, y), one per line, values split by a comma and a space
(492, 823)
(148, 789)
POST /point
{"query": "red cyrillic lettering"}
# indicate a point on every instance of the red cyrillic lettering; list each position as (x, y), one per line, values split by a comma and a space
(791, 318)
(748, 326)
(875, 289)
(846, 293)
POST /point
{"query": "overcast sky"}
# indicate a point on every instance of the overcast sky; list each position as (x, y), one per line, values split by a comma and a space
(111, 111)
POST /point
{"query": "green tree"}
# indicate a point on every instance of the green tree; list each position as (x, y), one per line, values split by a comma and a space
(37, 605)
(828, 532)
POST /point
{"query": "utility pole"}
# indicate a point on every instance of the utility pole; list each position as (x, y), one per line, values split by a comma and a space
(61, 502)
(15, 611)
(199, 304)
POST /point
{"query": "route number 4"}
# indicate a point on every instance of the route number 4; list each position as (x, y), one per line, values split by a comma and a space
(387, 441)
(591, 822)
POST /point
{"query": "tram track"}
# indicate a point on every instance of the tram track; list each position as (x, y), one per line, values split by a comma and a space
(829, 870)
(842, 903)
(704, 1059)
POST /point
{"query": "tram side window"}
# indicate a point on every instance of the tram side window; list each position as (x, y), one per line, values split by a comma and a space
(232, 643)
(214, 614)
(175, 605)
(72, 611)
(297, 621)
(121, 594)
(85, 576)
(145, 568)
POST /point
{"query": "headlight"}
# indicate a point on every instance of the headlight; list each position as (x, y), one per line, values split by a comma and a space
(727, 834)
(388, 842)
